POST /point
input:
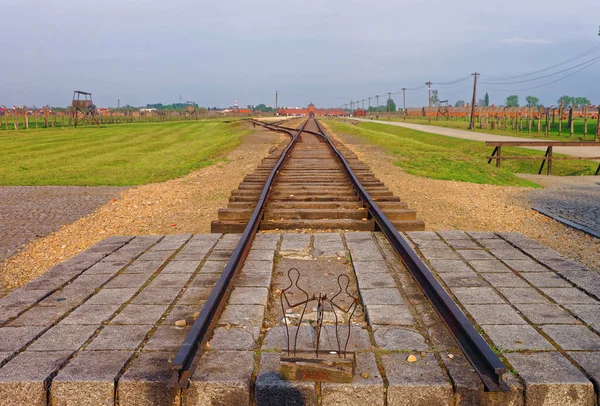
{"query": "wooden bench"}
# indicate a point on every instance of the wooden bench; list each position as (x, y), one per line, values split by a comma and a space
(497, 154)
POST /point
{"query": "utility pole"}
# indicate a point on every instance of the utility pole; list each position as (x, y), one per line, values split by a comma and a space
(472, 122)
(276, 101)
(377, 97)
(404, 101)
(363, 101)
(429, 99)
(118, 103)
(389, 104)
(369, 104)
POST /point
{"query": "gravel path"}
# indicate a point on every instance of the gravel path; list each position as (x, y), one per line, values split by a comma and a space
(480, 136)
(452, 205)
(29, 212)
(183, 205)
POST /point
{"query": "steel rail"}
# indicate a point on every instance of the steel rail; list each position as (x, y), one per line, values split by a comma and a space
(484, 361)
(185, 361)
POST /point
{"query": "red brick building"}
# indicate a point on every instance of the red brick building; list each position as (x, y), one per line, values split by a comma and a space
(311, 109)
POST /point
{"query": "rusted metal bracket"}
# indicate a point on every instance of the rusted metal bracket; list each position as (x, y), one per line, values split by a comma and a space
(319, 366)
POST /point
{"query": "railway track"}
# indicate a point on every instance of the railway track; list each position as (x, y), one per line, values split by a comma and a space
(310, 165)
(313, 191)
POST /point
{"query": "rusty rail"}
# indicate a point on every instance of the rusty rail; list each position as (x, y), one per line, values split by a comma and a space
(184, 362)
(487, 364)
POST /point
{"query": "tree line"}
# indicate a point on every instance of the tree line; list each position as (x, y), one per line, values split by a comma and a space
(531, 101)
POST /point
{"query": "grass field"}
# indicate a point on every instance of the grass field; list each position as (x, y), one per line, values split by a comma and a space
(440, 157)
(105, 121)
(123, 154)
(553, 135)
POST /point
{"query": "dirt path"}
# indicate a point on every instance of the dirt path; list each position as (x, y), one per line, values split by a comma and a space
(449, 205)
(183, 205)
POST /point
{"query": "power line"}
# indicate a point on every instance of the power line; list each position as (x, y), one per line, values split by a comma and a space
(566, 61)
(593, 62)
(545, 76)
(464, 79)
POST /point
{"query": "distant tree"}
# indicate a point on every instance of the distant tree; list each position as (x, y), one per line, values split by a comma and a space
(532, 101)
(481, 103)
(512, 101)
(486, 100)
(460, 103)
(392, 106)
(263, 108)
(567, 100)
(581, 101)
(434, 98)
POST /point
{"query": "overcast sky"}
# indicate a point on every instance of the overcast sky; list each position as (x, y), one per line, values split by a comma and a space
(326, 52)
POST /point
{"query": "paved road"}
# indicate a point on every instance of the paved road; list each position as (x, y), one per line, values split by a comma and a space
(28, 212)
(578, 204)
(480, 136)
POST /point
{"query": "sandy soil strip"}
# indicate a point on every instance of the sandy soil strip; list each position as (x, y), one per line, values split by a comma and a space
(450, 205)
(184, 205)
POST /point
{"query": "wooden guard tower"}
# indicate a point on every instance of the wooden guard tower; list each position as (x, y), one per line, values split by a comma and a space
(190, 110)
(83, 109)
(443, 110)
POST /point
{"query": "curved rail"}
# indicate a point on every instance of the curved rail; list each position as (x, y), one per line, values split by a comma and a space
(184, 362)
(487, 364)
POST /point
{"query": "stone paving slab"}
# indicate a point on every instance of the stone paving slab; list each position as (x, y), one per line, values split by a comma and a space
(109, 329)
(89, 378)
(272, 390)
(419, 383)
(111, 309)
(574, 206)
(550, 379)
(537, 308)
(24, 380)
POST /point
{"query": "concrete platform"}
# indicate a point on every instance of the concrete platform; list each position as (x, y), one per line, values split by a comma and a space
(100, 327)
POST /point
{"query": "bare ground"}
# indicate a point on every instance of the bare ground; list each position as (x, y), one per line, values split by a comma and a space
(190, 203)
(184, 205)
(452, 205)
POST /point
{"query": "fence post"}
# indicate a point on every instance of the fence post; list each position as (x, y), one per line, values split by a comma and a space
(560, 113)
(585, 119)
(5, 117)
(598, 126)
(499, 154)
(571, 128)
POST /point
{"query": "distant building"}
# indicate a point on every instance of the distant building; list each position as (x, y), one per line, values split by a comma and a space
(310, 109)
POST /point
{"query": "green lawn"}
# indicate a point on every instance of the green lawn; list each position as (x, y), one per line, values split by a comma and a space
(123, 154)
(578, 127)
(447, 158)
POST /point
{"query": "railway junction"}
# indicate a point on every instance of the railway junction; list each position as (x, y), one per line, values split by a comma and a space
(317, 272)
